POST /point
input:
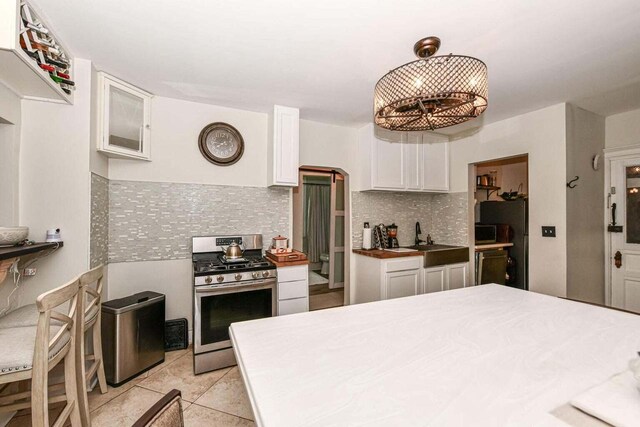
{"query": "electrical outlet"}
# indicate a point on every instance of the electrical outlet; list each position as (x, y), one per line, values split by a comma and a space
(30, 271)
(548, 231)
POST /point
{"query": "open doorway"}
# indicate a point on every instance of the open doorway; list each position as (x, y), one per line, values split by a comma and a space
(500, 221)
(320, 230)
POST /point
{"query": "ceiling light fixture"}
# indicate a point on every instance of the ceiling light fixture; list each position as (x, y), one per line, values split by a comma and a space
(431, 93)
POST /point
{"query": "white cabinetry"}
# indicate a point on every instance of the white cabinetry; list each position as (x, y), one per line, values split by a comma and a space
(283, 152)
(18, 70)
(396, 161)
(124, 119)
(446, 277)
(293, 289)
(379, 279)
(400, 284)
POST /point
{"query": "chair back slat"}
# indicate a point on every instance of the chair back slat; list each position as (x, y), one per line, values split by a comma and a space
(93, 295)
(47, 303)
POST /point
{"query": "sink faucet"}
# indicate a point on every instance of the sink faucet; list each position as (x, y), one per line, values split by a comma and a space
(418, 233)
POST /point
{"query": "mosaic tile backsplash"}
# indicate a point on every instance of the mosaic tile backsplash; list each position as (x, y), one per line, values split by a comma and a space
(155, 221)
(99, 234)
(444, 216)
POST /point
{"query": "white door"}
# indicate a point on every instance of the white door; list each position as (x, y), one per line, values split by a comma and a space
(387, 162)
(625, 246)
(435, 163)
(458, 275)
(435, 279)
(412, 161)
(400, 284)
(337, 233)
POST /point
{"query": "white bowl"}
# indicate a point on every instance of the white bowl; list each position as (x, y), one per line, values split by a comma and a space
(9, 236)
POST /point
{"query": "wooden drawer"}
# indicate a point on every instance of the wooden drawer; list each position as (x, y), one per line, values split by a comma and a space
(408, 263)
(290, 274)
(291, 306)
(290, 290)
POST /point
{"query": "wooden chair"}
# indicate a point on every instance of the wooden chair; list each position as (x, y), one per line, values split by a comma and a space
(167, 412)
(91, 291)
(30, 352)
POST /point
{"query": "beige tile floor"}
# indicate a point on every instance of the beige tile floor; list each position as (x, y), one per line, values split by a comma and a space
(326, 300)
(216, 399)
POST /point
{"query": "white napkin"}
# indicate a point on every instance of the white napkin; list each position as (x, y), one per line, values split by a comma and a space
(616, 401)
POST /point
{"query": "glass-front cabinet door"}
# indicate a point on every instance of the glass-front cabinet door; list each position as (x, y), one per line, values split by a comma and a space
(124, 122)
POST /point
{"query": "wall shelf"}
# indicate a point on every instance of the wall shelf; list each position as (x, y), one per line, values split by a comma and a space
(20, 72)
(489, 188)
(20, 251)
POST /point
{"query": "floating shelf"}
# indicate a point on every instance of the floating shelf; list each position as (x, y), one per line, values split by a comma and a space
(20, 251)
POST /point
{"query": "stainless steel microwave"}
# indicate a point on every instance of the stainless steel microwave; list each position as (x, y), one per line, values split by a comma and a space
(485, 234)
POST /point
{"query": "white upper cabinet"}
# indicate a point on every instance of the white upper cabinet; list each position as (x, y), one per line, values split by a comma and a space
(384, 153)
(124, 119)
(283, 153)
(435, 163)
(395, 161)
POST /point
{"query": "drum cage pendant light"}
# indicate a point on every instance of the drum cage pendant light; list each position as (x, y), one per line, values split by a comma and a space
(431, 93)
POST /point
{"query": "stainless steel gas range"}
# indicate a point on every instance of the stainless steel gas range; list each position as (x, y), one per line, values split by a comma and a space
(227, 291)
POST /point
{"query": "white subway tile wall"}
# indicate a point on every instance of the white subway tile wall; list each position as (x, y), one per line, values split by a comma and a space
(155, 221)
(99, 234)
(444, 216)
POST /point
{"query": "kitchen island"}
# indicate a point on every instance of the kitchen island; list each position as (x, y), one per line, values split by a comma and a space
(484, 356)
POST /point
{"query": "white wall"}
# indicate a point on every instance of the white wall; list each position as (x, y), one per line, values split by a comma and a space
(541, 134)
(55, 182)
(622, 129)
(175, 126)
(10, 111)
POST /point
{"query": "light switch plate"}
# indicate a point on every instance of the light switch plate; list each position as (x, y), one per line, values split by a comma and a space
(548, 231)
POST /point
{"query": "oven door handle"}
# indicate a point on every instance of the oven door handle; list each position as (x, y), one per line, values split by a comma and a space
(266, 283)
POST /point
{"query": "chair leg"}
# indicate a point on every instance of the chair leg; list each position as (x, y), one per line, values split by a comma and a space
(97, 353)
(39, 399)
(71, 390)
(80, 378)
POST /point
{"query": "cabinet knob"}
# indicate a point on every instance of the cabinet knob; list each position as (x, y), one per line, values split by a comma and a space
(147, 126)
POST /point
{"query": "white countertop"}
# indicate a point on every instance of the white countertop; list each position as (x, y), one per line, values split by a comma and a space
(486, 355)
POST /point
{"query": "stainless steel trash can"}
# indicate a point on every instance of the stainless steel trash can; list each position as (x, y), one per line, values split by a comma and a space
(132, 335)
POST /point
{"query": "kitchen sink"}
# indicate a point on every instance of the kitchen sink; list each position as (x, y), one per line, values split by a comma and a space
(435, 255)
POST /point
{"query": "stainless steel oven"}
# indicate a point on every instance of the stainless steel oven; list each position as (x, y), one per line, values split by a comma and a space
(218, 308)
(225, 292)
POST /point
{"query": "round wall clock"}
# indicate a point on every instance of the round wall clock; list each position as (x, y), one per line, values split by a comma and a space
(221, 144)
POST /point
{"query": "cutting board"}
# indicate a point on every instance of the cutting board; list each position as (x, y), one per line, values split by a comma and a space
(292, 256)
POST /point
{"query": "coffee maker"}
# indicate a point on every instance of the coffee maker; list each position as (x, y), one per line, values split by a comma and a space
(392, 235)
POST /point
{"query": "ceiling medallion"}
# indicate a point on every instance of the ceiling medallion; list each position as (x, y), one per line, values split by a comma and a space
(431, 93)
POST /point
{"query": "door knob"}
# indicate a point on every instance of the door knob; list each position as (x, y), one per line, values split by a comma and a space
(618, 259)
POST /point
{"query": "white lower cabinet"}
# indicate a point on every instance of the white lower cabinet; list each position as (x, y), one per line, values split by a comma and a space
(435, 279)
(293, 289)
(379, 279)
(400, 284)
(446, 277)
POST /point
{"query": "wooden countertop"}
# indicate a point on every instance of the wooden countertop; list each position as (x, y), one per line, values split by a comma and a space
(289, 263)
(382, 254)
(18, 251)
(493, 246)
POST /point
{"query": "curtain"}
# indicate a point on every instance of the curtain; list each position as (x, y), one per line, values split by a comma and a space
(317, 212)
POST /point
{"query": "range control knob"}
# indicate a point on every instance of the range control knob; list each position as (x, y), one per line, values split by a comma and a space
(265, 274)
(208, 280)
(238, 276)
(255, 274)
(220, 278)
